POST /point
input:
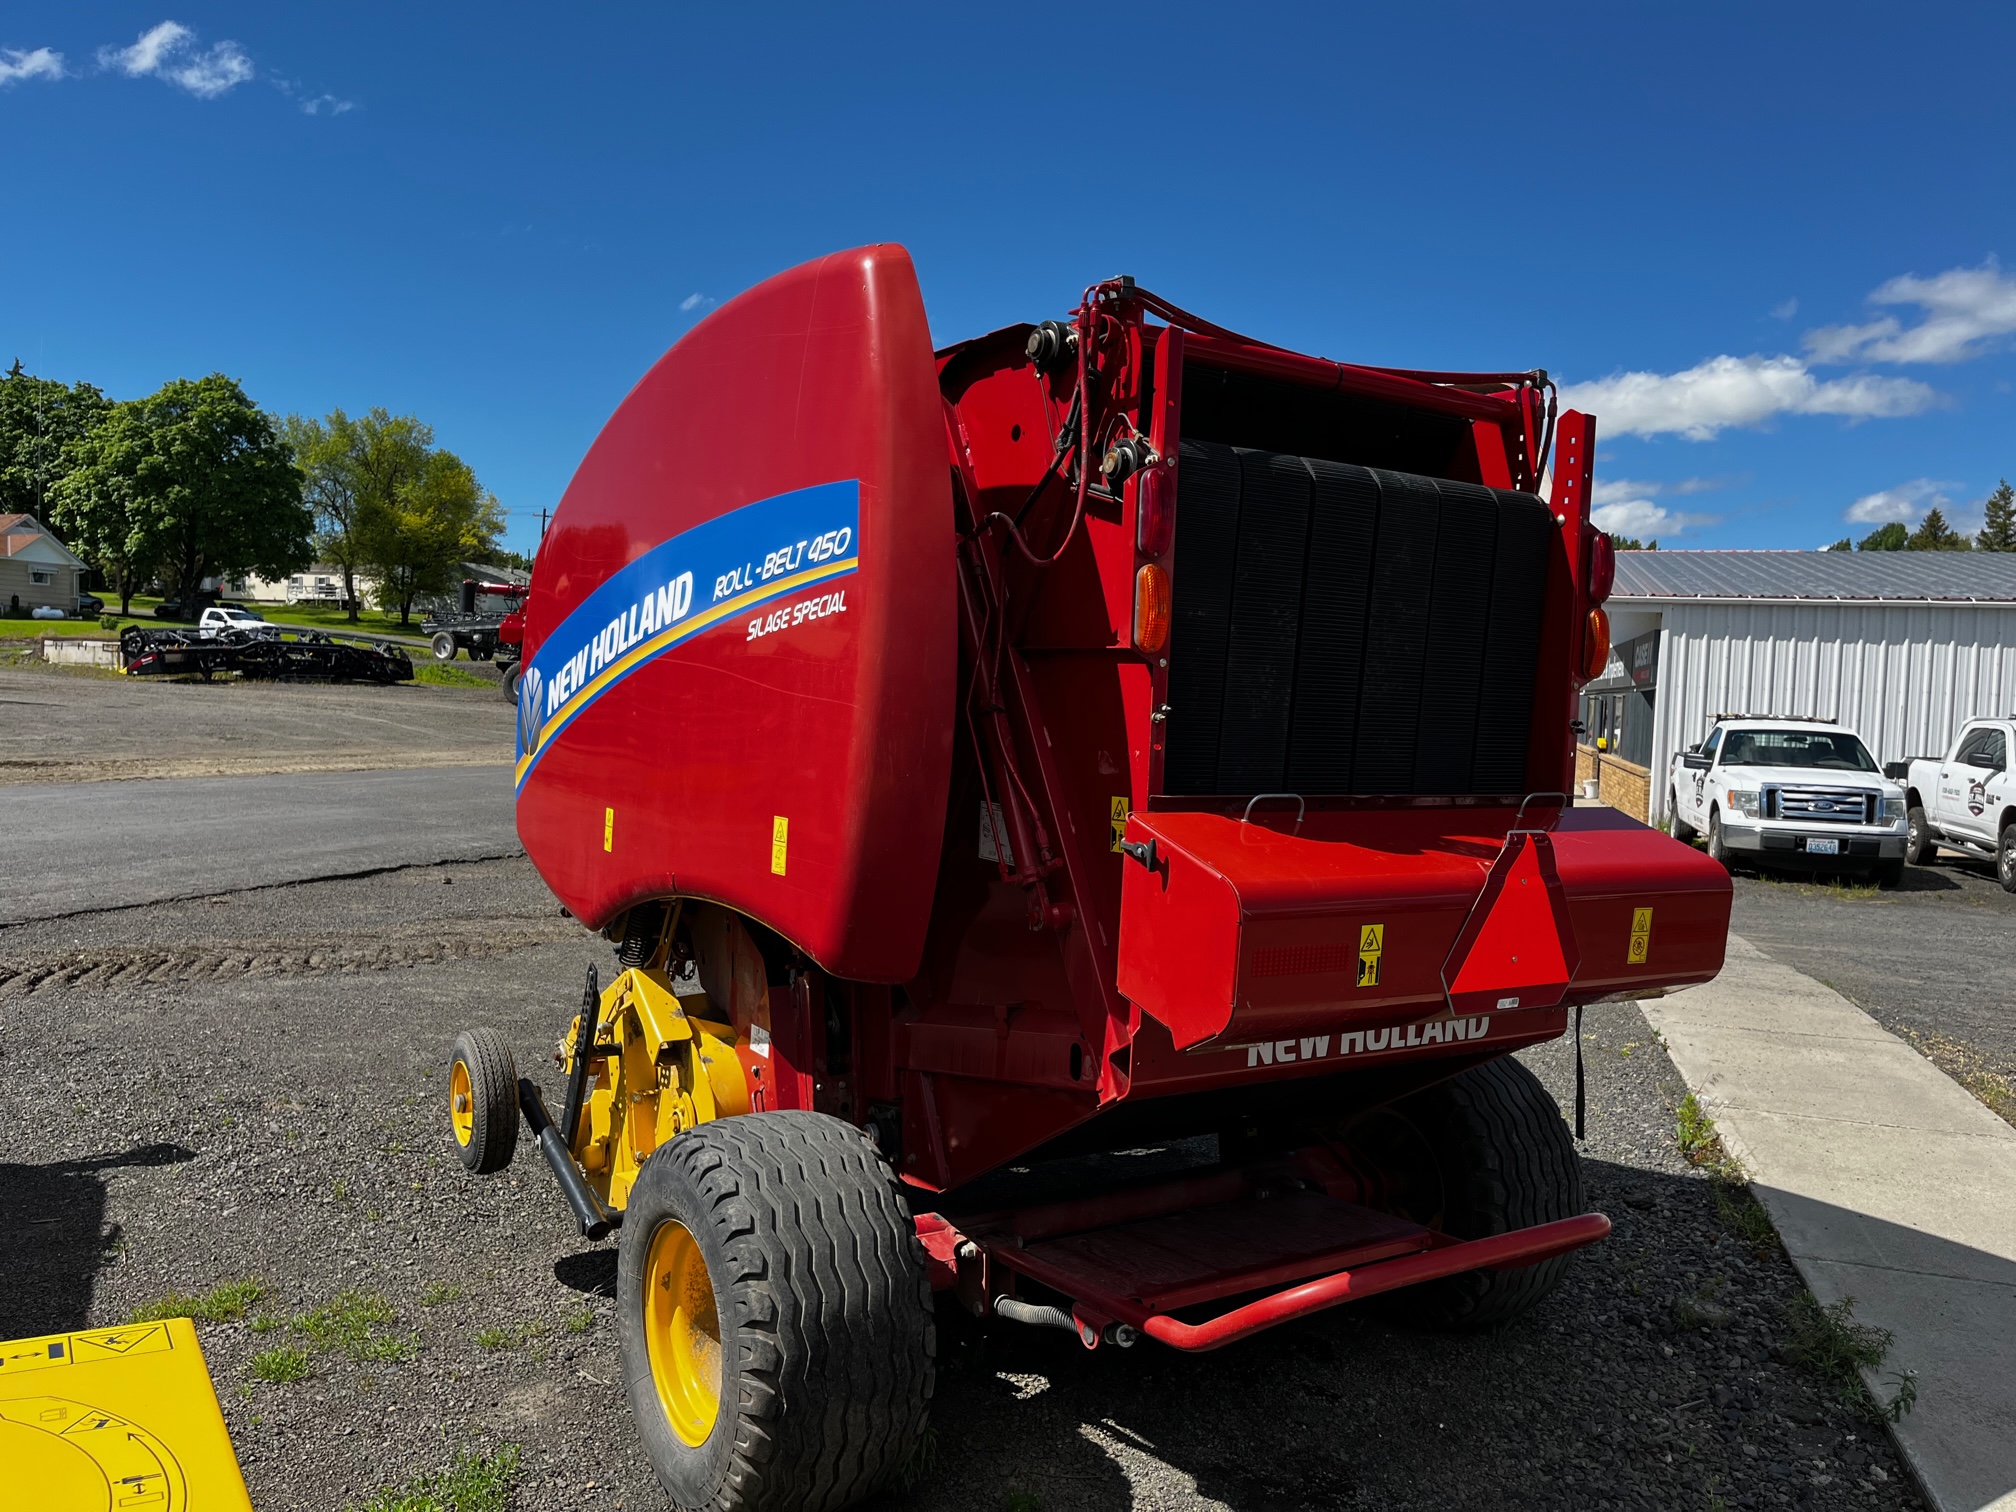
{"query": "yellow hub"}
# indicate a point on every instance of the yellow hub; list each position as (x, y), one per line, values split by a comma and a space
(461, 1104)
(682, 1333)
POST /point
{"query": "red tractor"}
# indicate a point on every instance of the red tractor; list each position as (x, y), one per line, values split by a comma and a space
(1101, 734)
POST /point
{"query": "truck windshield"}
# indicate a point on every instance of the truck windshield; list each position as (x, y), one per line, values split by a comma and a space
(1828, 750)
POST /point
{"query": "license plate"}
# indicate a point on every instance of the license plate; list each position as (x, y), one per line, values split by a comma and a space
(1823, 847)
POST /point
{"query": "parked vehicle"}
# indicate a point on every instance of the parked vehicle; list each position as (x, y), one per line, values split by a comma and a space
(1246, 680)
(88, 605)
(219, 620)
(474, 627)
(1804, 794)
(1966, 800)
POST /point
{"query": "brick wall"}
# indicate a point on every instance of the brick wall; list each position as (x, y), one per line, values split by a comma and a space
(1624, 785)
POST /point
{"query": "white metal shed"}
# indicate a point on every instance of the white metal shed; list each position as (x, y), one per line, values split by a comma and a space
(1901, 646)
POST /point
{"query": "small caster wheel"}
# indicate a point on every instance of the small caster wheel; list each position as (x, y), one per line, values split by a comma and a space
(483, 1100)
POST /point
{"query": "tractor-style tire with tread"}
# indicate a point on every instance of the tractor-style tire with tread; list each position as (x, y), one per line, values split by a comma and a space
(1502, 1159)
(824, 1312)
(485, 1061)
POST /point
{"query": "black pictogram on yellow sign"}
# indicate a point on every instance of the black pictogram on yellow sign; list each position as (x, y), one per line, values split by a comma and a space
(1371, 943)
(1641, 937)
(1121, 808)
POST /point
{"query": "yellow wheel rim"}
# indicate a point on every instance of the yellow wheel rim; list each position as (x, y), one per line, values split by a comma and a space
(461, 1104)
(682, 1333)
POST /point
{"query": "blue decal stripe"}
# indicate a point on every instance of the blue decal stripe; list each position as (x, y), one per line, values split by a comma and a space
(617, 670)
(645, 608)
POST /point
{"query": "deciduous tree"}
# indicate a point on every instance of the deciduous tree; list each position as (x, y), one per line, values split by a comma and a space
(1891, 537)
(326, 452)
(39, 418)
(425, 514)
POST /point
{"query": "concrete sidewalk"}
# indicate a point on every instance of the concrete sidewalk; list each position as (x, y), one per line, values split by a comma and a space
(1888, 1184)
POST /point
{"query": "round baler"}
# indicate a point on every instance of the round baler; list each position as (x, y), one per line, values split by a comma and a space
(1102, 735)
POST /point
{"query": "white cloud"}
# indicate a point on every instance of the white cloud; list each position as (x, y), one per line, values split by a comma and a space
(326, 104)
(1785, 310)
(694, 302)
(169, 52)
(42, 63)
(1965, 310)
(1623, 506)
(1711, 396)
(1905, 504)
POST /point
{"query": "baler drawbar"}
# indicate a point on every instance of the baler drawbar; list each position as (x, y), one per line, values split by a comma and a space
(1081, 818)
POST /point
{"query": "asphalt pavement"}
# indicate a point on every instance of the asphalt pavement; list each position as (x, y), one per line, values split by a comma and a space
(79, 847)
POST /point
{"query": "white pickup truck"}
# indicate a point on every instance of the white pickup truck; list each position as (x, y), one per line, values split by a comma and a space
(1966, 799)
(219, 620)
(1796, 793)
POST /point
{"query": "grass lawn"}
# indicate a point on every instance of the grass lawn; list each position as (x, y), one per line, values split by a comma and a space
(308, 616)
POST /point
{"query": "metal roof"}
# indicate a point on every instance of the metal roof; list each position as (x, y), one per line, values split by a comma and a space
(1917, 577)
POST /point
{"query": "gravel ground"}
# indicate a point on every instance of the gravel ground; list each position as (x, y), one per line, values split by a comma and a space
(61, 724)
(253, 1086)
(1930, 962)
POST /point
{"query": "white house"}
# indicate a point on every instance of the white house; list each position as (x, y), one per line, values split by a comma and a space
(36, 569)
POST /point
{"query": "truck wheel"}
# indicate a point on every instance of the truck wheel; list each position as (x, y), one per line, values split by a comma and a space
(1480, 1154)
(1682, 830)
(513, 675)
(774, 1316)
(1918, 846)
(444, 646)
(2005, 859)
(483, 1100)
(1890, 874)
(1717, 851)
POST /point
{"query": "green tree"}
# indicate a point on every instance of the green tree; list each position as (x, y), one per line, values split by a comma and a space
(425, 513)
(39, 419)
(1844, 544)
(1998, 532)
(194, 481)
(1891, 537)
(327, 454)
(1934, 534)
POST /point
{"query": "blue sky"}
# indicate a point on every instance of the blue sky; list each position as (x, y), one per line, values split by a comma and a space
(1760, 242)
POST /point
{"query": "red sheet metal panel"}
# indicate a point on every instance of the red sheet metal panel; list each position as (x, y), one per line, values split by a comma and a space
(741, 638)
(1245, 931)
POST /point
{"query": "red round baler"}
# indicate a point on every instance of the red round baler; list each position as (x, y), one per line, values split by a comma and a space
(1106, 735)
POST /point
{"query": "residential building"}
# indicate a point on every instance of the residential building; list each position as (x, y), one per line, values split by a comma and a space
(36, 570)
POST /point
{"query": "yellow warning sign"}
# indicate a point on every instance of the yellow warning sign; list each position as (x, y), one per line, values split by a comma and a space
(1641, 937)
(608, 829)
(1121, 808)
(780, 829)
(1371, 942)
(125, 1409)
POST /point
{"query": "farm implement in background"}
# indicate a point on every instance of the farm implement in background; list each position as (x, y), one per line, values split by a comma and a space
(274, 652)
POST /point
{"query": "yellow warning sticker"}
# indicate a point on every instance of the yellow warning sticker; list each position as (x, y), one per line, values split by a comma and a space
(1121, 808)
(1641, 937)
(1371, 942)
(780, 829)
(147, 1338)
(608, 829)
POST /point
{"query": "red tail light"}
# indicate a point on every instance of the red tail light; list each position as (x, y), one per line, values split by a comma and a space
(1595, 644)
(1602, 574)
(1155, 509)
(1151, 608)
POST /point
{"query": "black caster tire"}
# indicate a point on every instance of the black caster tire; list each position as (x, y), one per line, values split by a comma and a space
(483, 1100)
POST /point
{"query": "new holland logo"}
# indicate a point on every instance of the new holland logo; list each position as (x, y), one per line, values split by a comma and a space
(528, 708)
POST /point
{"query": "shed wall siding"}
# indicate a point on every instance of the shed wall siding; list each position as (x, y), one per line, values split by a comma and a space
(1903, 676)
(16, 577)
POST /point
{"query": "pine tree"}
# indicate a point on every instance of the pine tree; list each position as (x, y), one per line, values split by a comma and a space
(1934, 534)
(1999, 532)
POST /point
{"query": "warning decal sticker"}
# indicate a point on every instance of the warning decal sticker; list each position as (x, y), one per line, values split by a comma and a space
(1641, 937)
(780, 830)
(1121, 809)
(1371, 942)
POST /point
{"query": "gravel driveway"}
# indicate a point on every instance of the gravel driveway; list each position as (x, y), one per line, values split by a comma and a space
(251, 1086)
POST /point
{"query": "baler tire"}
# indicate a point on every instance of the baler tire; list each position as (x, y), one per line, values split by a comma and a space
(482, 1070)
(821, 1309)
(513, 676)
(1506, 1162)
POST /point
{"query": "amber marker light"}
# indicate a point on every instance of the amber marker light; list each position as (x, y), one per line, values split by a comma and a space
(1151, 609)
(1595, 643)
